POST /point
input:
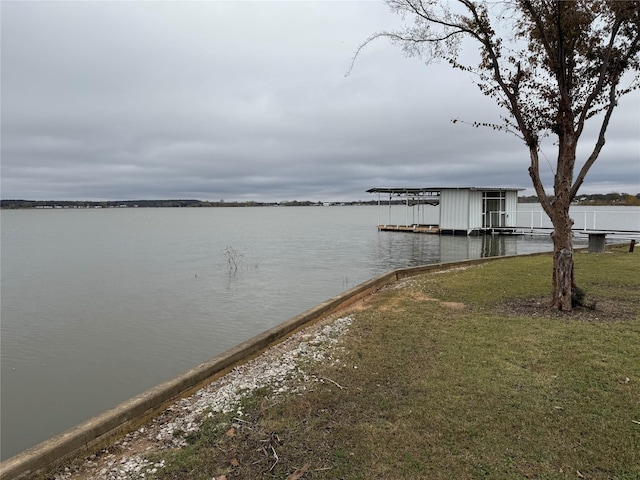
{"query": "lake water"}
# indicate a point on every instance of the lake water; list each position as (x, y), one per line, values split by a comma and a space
(99, 305)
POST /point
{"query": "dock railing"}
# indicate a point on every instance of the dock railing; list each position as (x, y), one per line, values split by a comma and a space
(588, 220)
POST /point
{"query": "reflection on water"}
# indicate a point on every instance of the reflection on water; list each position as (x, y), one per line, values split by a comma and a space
(498, 245)
(399, 250)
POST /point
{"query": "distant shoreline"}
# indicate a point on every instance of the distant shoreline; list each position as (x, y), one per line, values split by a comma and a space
(44, 204)
(611, 199)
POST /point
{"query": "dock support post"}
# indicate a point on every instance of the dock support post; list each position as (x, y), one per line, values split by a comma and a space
(596, 242)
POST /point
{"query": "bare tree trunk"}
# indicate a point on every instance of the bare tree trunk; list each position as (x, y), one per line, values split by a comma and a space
(563, 283)
(563, 278)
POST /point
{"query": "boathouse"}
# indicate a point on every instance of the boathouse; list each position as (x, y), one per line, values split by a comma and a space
(463, 210)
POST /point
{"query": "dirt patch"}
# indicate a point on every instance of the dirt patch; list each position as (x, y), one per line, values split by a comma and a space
(357, 306)
(601, 310)
(418, 297)
(453, 305)
(421, 297)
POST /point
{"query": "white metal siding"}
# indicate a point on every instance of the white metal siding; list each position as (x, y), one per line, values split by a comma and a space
(475, 210)
(454, 209)
(511, 206)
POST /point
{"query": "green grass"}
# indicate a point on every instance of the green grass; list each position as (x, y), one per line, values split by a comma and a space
(437, 390)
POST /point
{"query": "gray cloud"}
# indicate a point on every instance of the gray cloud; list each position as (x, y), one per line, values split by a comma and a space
(235, 100)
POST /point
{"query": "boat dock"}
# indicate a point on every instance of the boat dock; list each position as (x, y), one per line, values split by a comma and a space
(461, 210)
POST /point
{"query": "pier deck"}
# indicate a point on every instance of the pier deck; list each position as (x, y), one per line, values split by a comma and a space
(410, 228)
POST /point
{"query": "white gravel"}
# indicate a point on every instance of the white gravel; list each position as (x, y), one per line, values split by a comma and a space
(281, 369)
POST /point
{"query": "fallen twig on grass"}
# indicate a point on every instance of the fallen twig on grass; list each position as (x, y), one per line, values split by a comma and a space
(334, 382)
(299, 472)
(275, 455)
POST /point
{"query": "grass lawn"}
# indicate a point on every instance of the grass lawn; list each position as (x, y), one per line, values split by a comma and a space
(461, 374)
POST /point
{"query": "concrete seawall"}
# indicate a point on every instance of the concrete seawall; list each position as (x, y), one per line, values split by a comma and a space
(103, 429)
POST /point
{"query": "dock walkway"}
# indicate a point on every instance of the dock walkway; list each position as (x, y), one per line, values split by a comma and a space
(410, 228)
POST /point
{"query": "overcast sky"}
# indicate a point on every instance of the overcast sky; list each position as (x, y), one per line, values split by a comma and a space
(248, 101)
